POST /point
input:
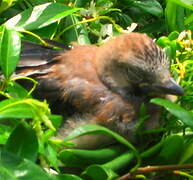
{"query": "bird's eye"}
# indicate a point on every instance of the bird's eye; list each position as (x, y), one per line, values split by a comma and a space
(143, 84)
(133, 74)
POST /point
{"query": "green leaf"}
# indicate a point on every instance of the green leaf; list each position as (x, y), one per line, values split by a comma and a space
(17, 91)
(5, 131)
(170, 14)
(40, 16)
(185, 116)
(77, 33)
(93, 129)
(10, 46)
(51, 155)
(81, 158)
(171, 150)
(188, 19)
(67, 177)
(56, 120)
(174, 14)
(173, 35)
(14, 108)
(150, 6)
(15, 168)
(23, 142)
(188, 153)
(96, 129)
(184, 3)
(96, 172)
(5, 4)
(107, 170)
(163, 41)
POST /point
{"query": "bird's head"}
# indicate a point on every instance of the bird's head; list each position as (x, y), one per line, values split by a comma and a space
(134, 61)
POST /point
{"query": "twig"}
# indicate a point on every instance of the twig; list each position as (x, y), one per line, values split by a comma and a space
(149, 169)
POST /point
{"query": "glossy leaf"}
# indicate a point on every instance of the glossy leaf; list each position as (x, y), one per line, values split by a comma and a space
(150, 6)
(93, 128)
(25, 108)
(96, 129)
(14, 108)
(40, 16)
(170, 14)
(185, 116)
(5, 131)
(171, 150)
(174, 14)
(56, 120)
(163, 41)
(5, 4)
(184, 3)
(16, 91)
(77, 33)
(187, 153)
(96, 172)
(16, 168)
(173, 35)
(82, 158)
(51, 155)
(67, 177)
(109, 169)
(10, 46)
(23, 142)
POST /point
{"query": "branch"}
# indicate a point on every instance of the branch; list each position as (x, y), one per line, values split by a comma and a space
(149, 169)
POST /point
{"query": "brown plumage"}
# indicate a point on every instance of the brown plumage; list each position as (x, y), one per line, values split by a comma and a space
(107, 85)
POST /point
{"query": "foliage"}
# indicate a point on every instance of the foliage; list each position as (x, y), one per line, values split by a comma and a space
(28, 149)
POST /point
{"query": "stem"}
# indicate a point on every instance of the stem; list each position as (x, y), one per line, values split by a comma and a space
(28, 78)
(120, 162)
(90, 20)
(36, 36)
(149, 169)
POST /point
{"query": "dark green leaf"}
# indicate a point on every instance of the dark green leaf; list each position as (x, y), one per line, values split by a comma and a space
(93, 128)
(96, 129)
(150, 6)
(107, 170)
(77, 33)
(171, 150)
(67, 177)
(81, 158)
(185, 116)
(96, 172)
(23, 143)
(187, 153)
(15, 168)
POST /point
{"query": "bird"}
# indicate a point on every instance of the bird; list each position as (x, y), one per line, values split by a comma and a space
(104, 85)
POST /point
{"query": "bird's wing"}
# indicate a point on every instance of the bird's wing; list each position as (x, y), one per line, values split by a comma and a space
(33, 54)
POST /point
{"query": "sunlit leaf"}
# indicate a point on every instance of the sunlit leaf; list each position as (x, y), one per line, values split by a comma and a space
(10, 46)
(185, 116)
(40, 16)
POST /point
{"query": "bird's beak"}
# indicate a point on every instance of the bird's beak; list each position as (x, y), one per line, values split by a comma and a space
(169, 87)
